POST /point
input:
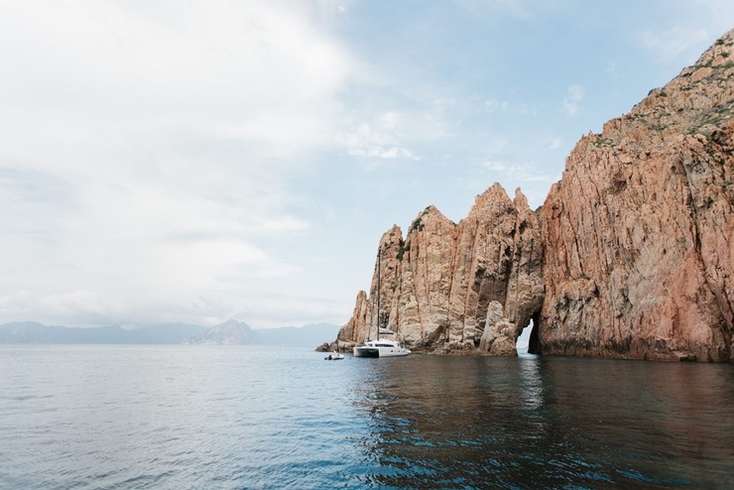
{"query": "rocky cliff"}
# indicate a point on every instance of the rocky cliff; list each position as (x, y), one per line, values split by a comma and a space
(639, 232)
(439, 283)
(631, 255)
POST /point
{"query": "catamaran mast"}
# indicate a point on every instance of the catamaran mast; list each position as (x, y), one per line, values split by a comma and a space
(379, 318)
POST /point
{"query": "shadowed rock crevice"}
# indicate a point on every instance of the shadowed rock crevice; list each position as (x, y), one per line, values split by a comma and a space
(534, 342)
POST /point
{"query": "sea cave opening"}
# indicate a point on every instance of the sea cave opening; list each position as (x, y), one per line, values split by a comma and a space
(523, 341)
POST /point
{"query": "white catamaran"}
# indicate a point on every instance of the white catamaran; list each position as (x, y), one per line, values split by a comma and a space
(380, 347)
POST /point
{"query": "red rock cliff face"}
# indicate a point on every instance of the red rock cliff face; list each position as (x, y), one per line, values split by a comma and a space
(636, 255)
(467, 288)
(639, 233)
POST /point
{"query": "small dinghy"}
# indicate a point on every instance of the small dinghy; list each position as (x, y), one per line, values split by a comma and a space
(334, 356)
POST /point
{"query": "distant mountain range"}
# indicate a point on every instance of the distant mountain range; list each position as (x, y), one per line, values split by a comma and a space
(230, 332)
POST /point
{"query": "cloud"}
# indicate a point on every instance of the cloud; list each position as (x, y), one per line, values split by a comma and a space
(390, 119)
(556, 143)
(329, 10)
(76, 303)
(82, 307)
(515, 8)
(521, 172)
(667, 46)
(384, 153)
(574, 95)
(257, 308)
(381, 140)
(151, 148)
(493, 105)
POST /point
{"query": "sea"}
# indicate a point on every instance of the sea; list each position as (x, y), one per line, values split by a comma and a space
(240, 417)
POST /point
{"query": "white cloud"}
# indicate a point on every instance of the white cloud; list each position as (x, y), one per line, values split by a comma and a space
(257, 308)
(384, 153)
(515, 8)
(672, 43)
(76, 303)
(556, 143)
(521, 172)
(381, 140)
(570, 108)
(495, 105)
(233, 71)
(575, 92)
(390, 119)
(574, 96)
(149, 148)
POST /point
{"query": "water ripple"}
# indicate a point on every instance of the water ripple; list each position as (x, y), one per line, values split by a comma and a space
(243, 417)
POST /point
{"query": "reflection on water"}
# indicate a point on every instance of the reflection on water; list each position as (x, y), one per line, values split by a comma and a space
(533, 422)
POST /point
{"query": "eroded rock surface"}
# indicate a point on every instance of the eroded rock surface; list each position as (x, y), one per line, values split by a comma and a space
(438, 282)
(639, 233)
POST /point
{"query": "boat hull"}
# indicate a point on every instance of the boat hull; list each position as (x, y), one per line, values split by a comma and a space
(380, 349)
(366, 352)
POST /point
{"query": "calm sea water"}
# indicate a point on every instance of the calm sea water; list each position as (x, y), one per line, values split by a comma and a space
(252, 417)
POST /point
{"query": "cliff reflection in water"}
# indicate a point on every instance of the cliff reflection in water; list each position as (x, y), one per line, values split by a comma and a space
(534, 422)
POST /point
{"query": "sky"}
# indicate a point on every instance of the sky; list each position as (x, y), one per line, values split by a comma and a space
(193, 161)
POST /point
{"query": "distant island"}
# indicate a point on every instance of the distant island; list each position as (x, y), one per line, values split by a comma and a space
(231, 332)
